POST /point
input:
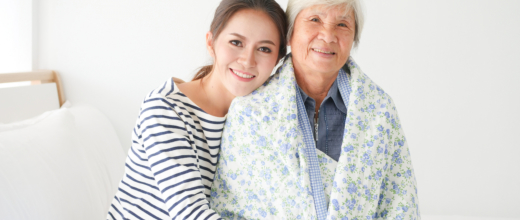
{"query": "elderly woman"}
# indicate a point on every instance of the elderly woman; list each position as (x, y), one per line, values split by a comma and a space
(319, 140)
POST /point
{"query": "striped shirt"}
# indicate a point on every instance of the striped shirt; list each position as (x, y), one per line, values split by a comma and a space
(171, 163)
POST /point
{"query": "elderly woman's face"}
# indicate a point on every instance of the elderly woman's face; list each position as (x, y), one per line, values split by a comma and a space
(322, 38)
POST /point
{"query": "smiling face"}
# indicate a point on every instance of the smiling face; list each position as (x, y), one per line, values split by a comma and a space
(322, 39)
(245, 52)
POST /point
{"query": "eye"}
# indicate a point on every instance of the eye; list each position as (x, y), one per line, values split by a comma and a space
(315, 19)
(264, 49)
(236, 43)
(342, 25)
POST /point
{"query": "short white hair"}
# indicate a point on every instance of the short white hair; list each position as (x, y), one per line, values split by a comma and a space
(294, 7)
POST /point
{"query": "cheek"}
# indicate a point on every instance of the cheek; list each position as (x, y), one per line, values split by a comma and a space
(347, 41)
(267, 67)
(347, 46)
(224, 55)
(304, 40)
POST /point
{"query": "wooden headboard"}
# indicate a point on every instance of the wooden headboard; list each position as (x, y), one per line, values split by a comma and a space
(36, 77)
(28, 94)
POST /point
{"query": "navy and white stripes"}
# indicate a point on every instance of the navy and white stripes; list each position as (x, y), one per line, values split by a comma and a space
(171, 163)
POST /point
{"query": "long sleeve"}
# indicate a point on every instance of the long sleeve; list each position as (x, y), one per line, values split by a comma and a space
(173, 159)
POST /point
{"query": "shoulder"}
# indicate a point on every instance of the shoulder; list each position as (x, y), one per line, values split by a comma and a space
(167, 89)
(165, 99)
(368, 95)
(259, 99)
(277, 85)
(375, 88)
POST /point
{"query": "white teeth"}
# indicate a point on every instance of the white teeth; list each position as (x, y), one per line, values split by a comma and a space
(321, 51)
(242, 75)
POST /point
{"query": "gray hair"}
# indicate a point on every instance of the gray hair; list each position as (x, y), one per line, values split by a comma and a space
(294, 7)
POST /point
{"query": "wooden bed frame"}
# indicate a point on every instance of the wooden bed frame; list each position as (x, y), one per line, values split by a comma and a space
(44, 76)
(36, 77)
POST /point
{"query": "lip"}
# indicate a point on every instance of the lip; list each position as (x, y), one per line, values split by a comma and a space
(240, 78)
(324, 55)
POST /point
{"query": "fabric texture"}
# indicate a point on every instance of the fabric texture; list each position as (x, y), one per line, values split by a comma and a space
(266, 167)
(171, 163)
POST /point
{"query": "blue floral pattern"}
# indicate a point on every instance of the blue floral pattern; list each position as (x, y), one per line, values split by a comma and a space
(263, 172)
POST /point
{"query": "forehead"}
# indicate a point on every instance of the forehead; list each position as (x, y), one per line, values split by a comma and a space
(342, 12)
(251, 24)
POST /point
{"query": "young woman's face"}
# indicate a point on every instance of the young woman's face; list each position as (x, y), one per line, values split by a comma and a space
(245, 52)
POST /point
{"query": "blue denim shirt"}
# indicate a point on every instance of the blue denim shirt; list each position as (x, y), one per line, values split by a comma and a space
(331, 120)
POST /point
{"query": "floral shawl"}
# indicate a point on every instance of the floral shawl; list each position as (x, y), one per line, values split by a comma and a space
(269, 167)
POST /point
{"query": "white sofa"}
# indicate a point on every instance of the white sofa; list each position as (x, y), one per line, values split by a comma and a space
(63, 164)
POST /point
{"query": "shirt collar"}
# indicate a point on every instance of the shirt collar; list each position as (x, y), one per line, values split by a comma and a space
(303, 94)
(336, 97)
(333, 93)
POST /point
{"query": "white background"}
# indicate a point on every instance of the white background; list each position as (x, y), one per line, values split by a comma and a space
(451, 66)
(16, 35)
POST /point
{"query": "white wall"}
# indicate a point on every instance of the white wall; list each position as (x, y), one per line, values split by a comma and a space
(451, 67)
(111, 53)
(15, 35)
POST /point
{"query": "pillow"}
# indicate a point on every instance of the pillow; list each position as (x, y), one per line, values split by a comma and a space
(30, 121)
(64, 164)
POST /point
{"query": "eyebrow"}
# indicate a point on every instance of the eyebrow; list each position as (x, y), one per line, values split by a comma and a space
(325, 14)
(263, 41)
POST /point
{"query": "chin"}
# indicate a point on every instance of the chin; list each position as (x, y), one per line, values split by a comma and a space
(323, 68)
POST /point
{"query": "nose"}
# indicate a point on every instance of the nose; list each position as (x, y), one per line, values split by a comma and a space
(328, 33)
(247, 58)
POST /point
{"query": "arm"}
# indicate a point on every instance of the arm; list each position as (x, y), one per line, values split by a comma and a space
(398, 198)
(173, 161)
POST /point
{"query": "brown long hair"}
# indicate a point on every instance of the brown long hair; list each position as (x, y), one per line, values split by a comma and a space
(228, 8)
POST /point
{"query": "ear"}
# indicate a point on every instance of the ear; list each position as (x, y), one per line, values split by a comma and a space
(209, 44)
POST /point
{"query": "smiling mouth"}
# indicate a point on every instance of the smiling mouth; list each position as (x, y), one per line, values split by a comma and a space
(242, 75)
(322, 51)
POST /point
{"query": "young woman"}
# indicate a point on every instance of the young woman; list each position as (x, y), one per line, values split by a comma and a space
(176, 141)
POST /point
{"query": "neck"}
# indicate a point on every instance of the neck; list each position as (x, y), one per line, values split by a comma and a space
(316, 85)
(209, 94)
(217, 97)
